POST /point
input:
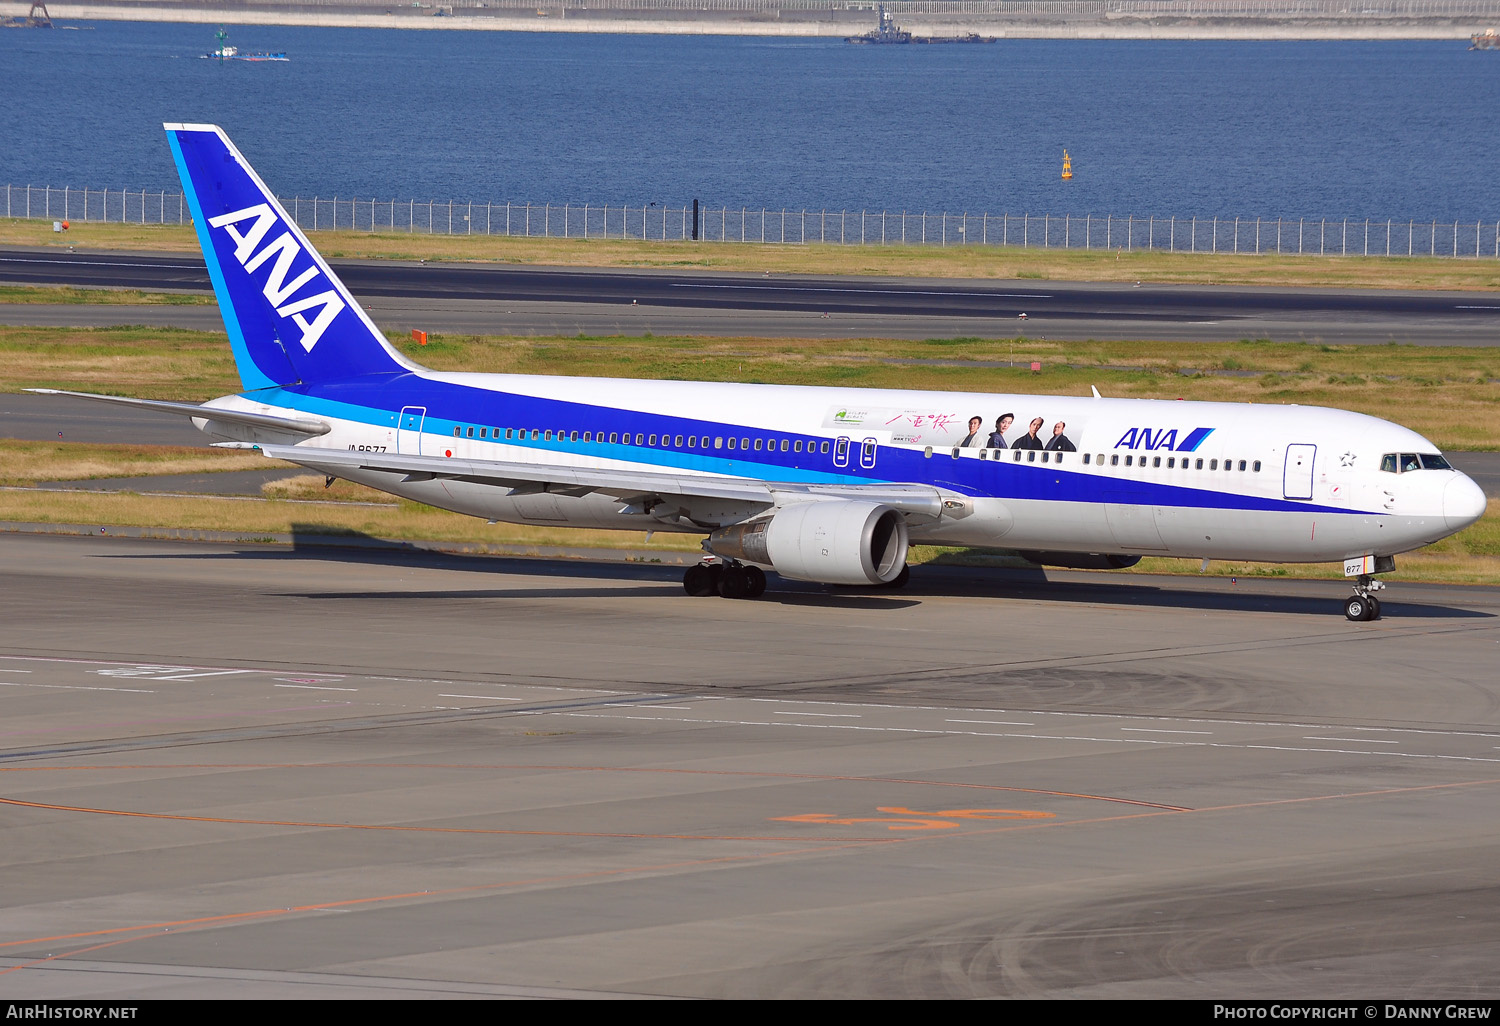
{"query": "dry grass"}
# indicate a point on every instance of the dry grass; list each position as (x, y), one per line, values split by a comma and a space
(1455, 390)
(66, 294)
(258, 518)
(30, 463)
(910, 260)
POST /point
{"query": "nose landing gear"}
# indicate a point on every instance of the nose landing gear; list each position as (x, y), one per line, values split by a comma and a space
(1363, 605)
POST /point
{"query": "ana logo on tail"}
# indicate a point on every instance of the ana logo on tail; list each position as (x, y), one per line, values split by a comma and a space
(277, 289)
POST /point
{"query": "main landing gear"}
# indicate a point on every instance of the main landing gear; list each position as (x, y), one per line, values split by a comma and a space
(727, 578)
(1363, 605)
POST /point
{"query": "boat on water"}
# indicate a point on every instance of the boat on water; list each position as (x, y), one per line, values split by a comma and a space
(889, 33)
(225, 52)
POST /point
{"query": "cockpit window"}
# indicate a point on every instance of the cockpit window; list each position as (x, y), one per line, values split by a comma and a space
(1402, 463)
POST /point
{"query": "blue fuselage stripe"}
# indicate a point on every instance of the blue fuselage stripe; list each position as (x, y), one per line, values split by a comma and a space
(376, 400)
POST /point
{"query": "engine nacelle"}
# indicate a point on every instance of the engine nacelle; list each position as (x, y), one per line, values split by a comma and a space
(831, 541)
(1081, 560)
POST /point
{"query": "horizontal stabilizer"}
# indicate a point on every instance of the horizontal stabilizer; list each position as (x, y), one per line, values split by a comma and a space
(300, 425)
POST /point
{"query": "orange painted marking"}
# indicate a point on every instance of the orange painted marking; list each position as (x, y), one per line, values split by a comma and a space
(828, 818)
(912, 819)
(972, 813)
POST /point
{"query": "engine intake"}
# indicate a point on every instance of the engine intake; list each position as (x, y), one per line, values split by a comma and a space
(831, 541)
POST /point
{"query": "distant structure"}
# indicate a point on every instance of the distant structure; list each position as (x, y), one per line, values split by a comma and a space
(1486, 40)
(1067, 171)
(32, 20)
(888, 32)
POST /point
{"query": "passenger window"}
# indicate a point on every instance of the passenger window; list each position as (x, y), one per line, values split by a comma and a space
(483, 432)
(1199, 465)
(573, 437)
(823, 447)
(1155, 461)
(785, 445)
(614, 438)
(458, 432)
(732, 442)
(1242, 466)
(927, 453)
(1171, 462)
(1030, 455)
(984, 454)
(1213, 464)
(640, 439)
(745, 443)
(1086, 459)
(508, 433)
(719, 441)
(1114, 459)
(797, 445)
(651, 440)
(692, 441)
(1256, 466)
(1018, 455)
(536, 433)
(1057, 457)
(676, 441)
(955, 452)
(757, 445)
(1127, 460)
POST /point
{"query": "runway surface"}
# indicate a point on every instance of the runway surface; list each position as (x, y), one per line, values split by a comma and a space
(251, 771)
(498, 299)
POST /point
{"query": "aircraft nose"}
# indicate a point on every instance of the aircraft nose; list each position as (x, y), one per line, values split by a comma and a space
(1463, 502)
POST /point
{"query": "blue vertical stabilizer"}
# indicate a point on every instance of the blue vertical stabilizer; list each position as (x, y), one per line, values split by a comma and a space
(290, 320)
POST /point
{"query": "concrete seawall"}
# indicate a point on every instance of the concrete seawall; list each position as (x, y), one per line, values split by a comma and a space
(828, 23)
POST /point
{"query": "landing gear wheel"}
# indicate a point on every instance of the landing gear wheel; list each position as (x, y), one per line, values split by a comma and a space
(698, 581)
(899, 581)
(1363, 605)
(755, 578)
(735, 583)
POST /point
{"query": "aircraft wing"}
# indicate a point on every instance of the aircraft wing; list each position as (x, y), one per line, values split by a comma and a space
(299, 425)
(641, 488)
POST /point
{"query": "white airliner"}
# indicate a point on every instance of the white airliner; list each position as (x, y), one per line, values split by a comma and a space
(824, 484)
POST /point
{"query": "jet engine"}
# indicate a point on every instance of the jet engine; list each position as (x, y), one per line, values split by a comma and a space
(830, 541)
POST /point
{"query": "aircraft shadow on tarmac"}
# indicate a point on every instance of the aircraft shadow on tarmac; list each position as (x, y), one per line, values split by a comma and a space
(1252, 594)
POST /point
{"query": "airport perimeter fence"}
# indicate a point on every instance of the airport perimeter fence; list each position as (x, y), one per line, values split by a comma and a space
(654, 222)
(1047, 8)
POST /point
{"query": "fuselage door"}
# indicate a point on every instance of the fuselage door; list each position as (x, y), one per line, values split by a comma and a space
(867, 453)
(841, 451)
(1297, 478)
(409, 430)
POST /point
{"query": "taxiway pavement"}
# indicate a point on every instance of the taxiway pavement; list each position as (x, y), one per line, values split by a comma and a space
(501, 299)
(254, 771)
